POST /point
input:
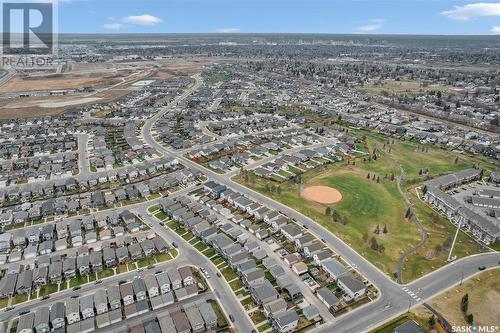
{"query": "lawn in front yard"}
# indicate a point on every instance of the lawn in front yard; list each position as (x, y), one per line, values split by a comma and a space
(105, 273)
(229, 274)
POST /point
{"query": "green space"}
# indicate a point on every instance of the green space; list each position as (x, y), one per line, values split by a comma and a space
(19, 298)
(257, 317)
(201, 246)
(146, 262)
(375, 201)
(161, 216)
(209, 253)
(105, 273)
(236, 285)
(121, 268)
(78, 280)
(3, 302)
(246, 301)
(48, 289)
(229, 274)
(264, 327)
(153, 208)
(390, 326)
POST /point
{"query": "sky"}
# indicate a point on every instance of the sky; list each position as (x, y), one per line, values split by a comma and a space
(294, 16)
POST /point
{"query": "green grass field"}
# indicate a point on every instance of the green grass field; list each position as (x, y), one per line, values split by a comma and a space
(367, 203)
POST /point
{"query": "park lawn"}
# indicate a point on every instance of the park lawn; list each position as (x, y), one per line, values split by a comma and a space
(484, 293)
(434, 253)
(365, 204)
(105, 273)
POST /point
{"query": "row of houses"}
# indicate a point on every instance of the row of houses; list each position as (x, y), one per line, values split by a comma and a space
(484, 228)
(241, 255)
(116, 303)
(85, 182)
(101, 198)
(37, 168)
(63, 234)
(81, 261)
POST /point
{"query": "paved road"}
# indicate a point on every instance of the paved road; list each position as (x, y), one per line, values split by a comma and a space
(393, 299)
(83, 154)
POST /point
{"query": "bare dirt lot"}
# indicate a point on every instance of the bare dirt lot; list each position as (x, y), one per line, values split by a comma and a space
(322, 194)
(484, 293)
(109, 81)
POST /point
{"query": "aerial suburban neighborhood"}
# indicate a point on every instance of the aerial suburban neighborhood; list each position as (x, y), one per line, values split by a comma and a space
(228, 181)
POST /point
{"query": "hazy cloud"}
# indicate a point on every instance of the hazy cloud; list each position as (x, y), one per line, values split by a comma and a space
(113, 26)
(372, 26)
(495, 29)
(472, 10)
(144, 19)
(227, 30)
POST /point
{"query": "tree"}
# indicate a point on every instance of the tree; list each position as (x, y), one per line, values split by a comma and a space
(385, 229)
(374, 244)
(381, 248)
(368, 176)
(328, 211)
(378, 179)
(432, 322)
(469, 318)
(464, 304)
(456, 160)
(377, 230)
(365, 236)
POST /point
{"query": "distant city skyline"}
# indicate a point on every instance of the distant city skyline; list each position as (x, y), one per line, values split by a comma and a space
(280, 16)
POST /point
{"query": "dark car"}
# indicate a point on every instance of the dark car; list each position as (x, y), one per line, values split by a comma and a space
(9, 308)
(174, 244)
(98, 282)
(151, 266)
(77, 288)
(481, 268)
(46, 297)
(24, 312)
(231, 318)
(218, 274)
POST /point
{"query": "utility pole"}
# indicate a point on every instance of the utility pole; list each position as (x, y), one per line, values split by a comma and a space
(454, 240)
